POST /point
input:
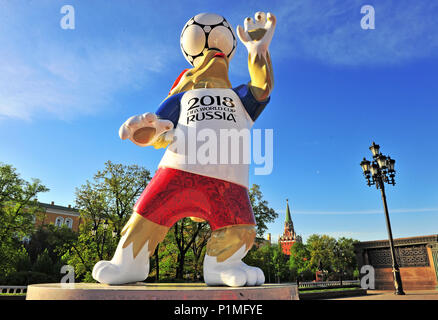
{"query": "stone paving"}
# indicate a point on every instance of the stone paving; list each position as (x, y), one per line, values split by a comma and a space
(389, 295)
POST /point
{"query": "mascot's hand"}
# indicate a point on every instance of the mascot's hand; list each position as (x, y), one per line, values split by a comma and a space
(257, 34)
(144, 129)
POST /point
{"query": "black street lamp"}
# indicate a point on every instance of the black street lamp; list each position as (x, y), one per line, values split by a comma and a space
(94, 232)
(378, 172)
(341, 259)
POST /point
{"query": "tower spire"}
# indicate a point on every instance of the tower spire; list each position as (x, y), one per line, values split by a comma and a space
(288, 224)
(289, 237)
(288, 217)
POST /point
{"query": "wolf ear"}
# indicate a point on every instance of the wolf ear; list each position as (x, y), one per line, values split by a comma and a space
(177, 80)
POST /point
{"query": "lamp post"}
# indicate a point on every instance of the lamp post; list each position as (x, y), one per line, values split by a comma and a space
(378, 172)
(341, 257)
(94, 230)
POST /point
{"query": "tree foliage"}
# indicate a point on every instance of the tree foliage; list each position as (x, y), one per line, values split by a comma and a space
(300, 262)
(112, 194)
(105, 205)
(345, 263)
(334, 257)
(18, 207)
(262, 212)
(321, 248)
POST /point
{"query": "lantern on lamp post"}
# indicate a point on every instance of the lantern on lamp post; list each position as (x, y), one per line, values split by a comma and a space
(378, 172)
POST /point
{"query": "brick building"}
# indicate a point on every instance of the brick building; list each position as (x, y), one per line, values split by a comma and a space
(417, 258)
(59, 215)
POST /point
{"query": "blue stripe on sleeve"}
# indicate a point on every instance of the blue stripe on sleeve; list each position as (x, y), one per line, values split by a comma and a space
(170, 108)
(252, 106)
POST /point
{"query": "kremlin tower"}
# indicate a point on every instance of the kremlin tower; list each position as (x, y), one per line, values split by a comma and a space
(289, 236)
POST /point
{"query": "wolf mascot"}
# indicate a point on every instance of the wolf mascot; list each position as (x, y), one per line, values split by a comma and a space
(201, 98)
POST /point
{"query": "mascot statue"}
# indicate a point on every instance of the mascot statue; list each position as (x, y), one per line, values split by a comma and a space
(201, 98)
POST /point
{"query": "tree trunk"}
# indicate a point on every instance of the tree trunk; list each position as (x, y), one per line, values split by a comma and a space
(157, 265)
(180, 268)
(195, 271)
(342, 273)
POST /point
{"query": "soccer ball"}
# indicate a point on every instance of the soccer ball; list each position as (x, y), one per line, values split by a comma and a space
(207, 31)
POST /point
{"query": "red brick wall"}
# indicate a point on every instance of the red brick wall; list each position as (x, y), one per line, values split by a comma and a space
(413, 278)
(286, 246)
(50, 218)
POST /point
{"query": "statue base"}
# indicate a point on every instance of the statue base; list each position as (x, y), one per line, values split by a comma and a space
(158, 291)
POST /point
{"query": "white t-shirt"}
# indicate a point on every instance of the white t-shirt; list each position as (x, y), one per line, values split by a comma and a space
(212, 132)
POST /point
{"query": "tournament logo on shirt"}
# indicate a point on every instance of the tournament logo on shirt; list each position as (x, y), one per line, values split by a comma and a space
(210, 107)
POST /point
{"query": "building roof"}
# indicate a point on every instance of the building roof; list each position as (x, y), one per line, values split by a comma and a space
(398, 242)
(51, 207)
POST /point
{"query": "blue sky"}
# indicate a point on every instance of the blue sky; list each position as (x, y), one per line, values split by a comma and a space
(65, 93)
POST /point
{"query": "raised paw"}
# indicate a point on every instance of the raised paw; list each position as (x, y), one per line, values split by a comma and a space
(144, 129)
(257, 34)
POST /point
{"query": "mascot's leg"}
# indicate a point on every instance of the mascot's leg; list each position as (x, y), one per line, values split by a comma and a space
(223, 261)
(130, 263)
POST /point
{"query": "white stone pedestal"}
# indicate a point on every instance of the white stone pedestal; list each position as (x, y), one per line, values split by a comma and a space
(158, 291)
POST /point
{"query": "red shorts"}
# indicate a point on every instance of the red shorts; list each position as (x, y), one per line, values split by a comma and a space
(175, 194)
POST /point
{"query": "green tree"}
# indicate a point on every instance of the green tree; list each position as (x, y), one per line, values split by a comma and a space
(198, 249)
(280, 264)
(261, 256)
(167, 258)
(344, 258)
(185, 233)
(112, 194)
(23, 262)
(44, 264)
(336, 257)
(262, 212)
(299, 262)
(56, 240)
(321, 248)
(105, 204)
(18, 207)
(333, 256)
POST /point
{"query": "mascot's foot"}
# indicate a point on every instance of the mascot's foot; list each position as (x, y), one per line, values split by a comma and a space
(231, 272)
(124, 267)
(110, 273)
(131, 260)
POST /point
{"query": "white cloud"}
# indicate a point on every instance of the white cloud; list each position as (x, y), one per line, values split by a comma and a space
(43, 73)
(50, 72)
(66, 83)
(330, 32)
